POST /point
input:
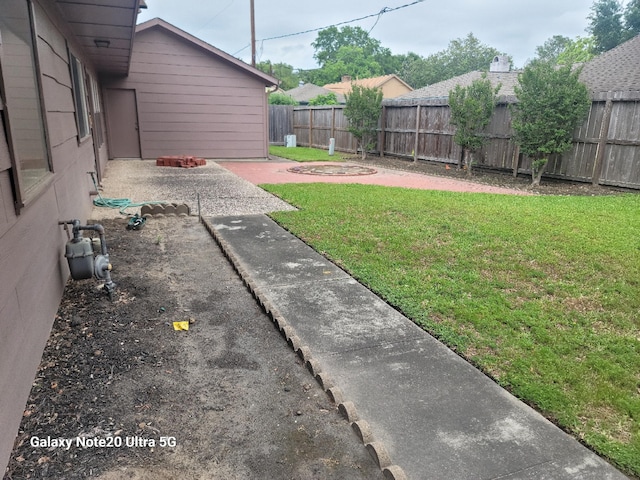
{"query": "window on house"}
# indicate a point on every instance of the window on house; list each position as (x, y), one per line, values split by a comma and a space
(20, 90)
(98, 129)
(79, 96)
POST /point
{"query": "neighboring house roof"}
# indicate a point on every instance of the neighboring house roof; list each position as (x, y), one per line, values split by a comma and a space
(306, 92)
(159, 23)
(105, 30)
(441, 90)
(617, 70)
(374, 82)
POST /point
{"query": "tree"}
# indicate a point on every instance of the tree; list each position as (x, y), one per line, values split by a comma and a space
(352, 61)
(552, 48)
(463, 55)
(551, 104)
(281, 99)
(471, 111)
(363, 111)
(580, 50)
(328, 99)
(566, 51)
(632, 18)
(350, 51)
(330, 40)
(606, 24)
(282, 71)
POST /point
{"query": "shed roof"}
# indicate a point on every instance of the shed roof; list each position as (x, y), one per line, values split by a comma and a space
(306, 92)
(209, 49)
(617, 70)
(373, 82)
(441, 90)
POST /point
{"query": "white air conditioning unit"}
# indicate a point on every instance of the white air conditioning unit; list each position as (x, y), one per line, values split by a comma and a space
(290, 141)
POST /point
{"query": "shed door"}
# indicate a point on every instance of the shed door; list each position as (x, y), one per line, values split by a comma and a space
(124, 138)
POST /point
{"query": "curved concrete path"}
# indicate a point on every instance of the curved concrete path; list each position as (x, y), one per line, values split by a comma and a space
(421, 410)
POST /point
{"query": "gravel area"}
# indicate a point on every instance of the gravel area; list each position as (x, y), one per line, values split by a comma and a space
(221, 192)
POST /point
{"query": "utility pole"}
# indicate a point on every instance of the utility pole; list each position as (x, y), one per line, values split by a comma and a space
(253, 35)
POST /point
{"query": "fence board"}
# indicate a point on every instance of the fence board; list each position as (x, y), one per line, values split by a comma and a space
(280, 123)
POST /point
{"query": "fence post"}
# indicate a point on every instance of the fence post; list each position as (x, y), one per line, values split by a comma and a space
(416, 143)
(383, 122)
(333, 122)
(310, 127)
(602, 141)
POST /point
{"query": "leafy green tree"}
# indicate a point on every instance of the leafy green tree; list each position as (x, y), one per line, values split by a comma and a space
(363, 110)
(419, 72)
(388, 62)
(580, 50)
(552, 102)
(463, 55)
(471, 111)
(352, 61)
(467, 55)
(552, 48)
(328, 99)
(282, 71)
(281, 99)
(605, 24)
(632, 18)
(330, 40)
(350, 51)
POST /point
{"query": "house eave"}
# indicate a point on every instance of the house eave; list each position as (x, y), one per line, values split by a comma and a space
(104, 30)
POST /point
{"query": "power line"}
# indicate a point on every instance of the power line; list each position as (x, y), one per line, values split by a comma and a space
(377, 14)
(208, 22)
(384, 10)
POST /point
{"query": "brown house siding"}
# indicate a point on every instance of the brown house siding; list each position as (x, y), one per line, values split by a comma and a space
(190, 102)
(33, 270)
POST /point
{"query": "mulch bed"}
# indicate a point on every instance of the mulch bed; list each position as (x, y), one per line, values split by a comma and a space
(491, 177)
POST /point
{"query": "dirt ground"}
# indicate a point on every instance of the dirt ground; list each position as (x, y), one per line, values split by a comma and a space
(492, 177)
(227, 399)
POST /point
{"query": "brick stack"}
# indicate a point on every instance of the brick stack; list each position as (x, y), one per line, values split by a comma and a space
(182, 161)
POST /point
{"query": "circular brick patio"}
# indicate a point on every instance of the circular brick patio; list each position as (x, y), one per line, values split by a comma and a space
(340, 170)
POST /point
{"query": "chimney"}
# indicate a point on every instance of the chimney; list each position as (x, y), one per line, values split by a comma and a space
(346, 78)
(500, 64)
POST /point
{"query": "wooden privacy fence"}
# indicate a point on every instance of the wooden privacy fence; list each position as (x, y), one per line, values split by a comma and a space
(312, 126)
(280, 123)
(606, 148)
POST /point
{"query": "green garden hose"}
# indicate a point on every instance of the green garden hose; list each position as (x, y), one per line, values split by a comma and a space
(121, 203)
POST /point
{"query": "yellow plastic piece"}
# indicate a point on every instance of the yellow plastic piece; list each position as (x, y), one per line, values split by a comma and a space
(181, 325)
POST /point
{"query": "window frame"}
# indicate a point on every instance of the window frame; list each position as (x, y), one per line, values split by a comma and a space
(24, 196)
(80, 98)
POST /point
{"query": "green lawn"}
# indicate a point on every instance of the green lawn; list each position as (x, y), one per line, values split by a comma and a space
(541, 292)
(305, 154)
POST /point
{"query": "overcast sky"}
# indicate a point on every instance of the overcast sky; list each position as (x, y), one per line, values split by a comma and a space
(514, 27)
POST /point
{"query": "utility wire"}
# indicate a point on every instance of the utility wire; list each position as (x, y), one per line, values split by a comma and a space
(377, 14)
(208, 22)
(383, 11)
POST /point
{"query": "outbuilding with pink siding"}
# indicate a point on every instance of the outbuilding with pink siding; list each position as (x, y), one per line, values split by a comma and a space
(183, 96)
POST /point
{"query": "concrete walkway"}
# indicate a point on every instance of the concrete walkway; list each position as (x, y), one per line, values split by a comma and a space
(422, 411)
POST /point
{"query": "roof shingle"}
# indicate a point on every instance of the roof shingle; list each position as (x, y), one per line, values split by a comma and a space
(306, 92)
(617, 70)
(441, 90)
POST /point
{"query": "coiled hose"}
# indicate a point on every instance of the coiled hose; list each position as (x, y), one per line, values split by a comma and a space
(120, 203)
